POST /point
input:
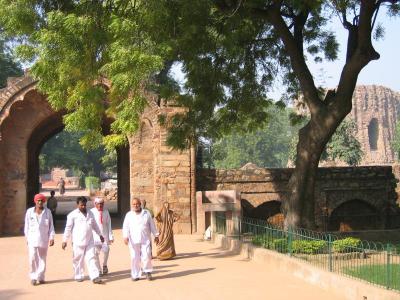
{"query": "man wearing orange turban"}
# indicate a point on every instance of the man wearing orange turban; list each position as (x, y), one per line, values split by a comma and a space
(39, 233)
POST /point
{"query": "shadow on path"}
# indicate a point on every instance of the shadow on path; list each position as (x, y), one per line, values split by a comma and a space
(191, 255)
(10, 294)
(182, 273)
(59, 281)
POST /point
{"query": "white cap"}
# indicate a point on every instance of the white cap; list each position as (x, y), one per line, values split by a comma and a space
(98, 200)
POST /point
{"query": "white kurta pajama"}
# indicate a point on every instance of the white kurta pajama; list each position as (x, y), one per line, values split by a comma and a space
(137, 228)
(106, 232)
(38, 230)
(81, 228)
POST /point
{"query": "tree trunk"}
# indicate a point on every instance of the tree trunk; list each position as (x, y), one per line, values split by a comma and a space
(299, 208)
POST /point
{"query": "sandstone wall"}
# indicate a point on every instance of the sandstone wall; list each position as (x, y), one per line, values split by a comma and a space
(159, 173)
(334, 187)
(375, 111)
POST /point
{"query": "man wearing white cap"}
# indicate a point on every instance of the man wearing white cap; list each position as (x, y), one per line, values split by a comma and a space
(103, 220)
(39, 233)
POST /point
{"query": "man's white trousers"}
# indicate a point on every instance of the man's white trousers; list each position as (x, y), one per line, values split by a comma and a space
(101, 248)
(37, 262)
(140, 259)
(82, 255)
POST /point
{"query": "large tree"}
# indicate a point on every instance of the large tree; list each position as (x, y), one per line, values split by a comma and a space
(8, 66)
(63, 150)
(232, 52)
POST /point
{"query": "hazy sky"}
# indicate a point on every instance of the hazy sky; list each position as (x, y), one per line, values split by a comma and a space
(384, 71)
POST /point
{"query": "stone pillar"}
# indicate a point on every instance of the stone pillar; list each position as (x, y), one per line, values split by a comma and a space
(159, 173)
(123, 181)
(201, 214)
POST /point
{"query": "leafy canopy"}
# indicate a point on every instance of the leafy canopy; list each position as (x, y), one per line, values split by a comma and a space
(63, 150)
(230, 56)
(266, 147)
(343, 145)
(74, 46)
(8, 66)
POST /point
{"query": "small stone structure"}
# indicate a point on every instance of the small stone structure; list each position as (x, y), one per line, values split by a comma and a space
(211, 202)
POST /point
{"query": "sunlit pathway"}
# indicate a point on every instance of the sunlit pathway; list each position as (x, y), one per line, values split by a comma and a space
(200, 271)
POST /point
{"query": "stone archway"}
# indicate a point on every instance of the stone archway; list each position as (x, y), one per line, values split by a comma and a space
(354, 215)
(27, 121)
(269, 211)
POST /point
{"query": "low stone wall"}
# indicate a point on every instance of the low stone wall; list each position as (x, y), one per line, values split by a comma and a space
(374, 185)
(344, 287)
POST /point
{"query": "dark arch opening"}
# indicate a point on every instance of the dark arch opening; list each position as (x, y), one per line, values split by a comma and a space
(50, 127)
(373, 134)
(268, 211)
(354, 215)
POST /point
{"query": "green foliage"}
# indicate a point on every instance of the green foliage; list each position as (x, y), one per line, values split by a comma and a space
(266, 147)
(92, 183)
(348, 244)
(396, 141)
(278, 244)
(63, 150)
(343, 145)
(76, 44)
(8, 66)
(309, 246)
(377, 273)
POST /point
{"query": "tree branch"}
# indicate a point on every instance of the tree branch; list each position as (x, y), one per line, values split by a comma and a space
(363, 53)
(273, 15)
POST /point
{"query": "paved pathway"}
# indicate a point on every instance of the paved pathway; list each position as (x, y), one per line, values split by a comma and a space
(200, 271)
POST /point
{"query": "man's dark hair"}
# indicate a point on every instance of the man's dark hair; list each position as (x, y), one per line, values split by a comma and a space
(81, 199)
(52, 193)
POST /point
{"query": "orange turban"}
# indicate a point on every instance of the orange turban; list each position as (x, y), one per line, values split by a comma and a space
(39, 197)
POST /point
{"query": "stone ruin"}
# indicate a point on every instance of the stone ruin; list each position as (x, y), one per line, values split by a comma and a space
(376, 111)
(151, 170)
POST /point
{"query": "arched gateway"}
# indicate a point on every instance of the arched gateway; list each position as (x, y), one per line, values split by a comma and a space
(147, 168)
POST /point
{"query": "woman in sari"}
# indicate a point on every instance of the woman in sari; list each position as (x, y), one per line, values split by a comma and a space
(165, 220)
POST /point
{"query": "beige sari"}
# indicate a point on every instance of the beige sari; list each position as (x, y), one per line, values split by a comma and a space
(165, 220)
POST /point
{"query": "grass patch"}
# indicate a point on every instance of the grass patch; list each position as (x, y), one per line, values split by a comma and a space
(377, 274)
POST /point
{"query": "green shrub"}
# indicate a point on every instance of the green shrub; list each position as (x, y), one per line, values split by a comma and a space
(257, 240)
(346, 245)
(92, 182)
(280, 245)
(308, 247)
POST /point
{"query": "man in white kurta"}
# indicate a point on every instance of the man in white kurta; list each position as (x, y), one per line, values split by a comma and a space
(137, 229)
(80, 224)
(39, 233)
(103, 220)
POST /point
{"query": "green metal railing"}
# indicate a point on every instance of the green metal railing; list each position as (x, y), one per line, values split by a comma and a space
(373, 262)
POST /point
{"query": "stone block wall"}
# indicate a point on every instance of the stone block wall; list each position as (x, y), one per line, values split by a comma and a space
(160, 173)
(334, 187)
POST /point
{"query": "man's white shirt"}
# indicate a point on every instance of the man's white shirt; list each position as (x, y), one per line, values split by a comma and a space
(138, 227)
(105, 228)
(80, 227)
(39, 229)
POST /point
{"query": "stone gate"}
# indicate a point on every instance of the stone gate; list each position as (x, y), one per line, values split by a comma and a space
(147, 168)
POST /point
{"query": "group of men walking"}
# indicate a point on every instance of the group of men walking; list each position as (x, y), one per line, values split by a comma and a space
(91, 235)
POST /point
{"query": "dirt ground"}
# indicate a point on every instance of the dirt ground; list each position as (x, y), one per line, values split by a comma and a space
(200, 271)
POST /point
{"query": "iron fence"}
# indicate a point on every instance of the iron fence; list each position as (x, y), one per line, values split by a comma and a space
(373, 262)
